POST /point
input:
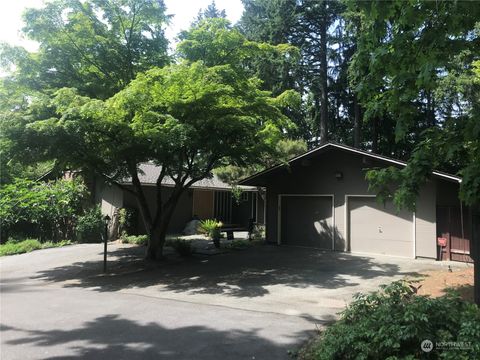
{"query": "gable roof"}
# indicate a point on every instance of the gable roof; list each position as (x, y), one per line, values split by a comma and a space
(248, 180)
(148, 174)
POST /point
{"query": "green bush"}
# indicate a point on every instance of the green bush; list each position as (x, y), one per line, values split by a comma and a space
(258, 232)
(135, 239)
(239, 244)
(19, 247)
(48, 209)
(51, 244)
(393, 322)
(127, 221)
(211, 228)
(182, 247)
(90, 226)
(13, 246)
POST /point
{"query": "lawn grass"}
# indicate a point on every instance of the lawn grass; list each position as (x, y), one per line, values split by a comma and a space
(12, 247)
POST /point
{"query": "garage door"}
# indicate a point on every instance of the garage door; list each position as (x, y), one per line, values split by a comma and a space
(379, 229)
(306, 221)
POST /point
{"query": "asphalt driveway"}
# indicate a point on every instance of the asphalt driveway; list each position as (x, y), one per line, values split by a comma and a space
(257, 303)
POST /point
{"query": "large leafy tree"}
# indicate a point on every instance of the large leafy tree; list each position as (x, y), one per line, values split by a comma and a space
(187, 118)
(406, 50)
(417, 63)
(213, 41)
(96, 46)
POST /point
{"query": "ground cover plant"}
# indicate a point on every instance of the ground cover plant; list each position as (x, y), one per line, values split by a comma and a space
(393, 322)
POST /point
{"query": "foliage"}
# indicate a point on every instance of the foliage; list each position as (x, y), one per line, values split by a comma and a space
(27, 245)
(182, 247)
(211, 228)
(393, 322)
(49, 207)
(209, 13)
(51, 244)
(78, 40)
(404, 51)
(238, 244)
(12, 170)
(214, 42)
(188, 118)
(237, 192)
(127, 220)
(13, 247)
(283, 151)
(135, 239)
(90, 226)
(317, 29)
(258, 232)
(454, 147)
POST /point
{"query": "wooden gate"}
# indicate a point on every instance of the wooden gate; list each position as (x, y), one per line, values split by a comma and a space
(457, 232)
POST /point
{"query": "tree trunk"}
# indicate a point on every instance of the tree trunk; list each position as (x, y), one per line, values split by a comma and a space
(357, 124)
(158, 230)
(323, 128)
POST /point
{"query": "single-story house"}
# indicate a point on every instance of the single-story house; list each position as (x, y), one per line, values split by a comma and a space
(321, 199)
(209, 198)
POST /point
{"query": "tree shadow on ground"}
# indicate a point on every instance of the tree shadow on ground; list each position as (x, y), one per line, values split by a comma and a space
(466, 291)
(113, 337)
(246, 273)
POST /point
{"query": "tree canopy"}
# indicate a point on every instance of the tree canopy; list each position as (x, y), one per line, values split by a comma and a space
(187, 118)
(97, 46)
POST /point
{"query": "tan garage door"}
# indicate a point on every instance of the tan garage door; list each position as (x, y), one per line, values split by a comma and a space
(306, 221)
(379, 229)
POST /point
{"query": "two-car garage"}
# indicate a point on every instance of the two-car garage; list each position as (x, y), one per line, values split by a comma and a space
(372, 227)
(321, 199)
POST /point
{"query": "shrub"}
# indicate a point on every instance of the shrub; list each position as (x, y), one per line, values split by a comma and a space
(90, 226)
(135, 239)
(13, 246)
(182, 247)
(47, 208)
(239, 244)
(211, 228)
(393, 322)
(127, 220)
(258, 232)
(19, 247)
(51, 244)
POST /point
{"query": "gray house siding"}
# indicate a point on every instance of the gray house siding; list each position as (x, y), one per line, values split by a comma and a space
(111, 198)
(425, 222)
(318, 176)
(182, 214)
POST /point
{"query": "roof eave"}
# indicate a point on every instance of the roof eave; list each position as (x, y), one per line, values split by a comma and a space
(247, 181)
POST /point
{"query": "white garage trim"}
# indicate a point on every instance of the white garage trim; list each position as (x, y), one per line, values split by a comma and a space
(347, 223)
(279, 213)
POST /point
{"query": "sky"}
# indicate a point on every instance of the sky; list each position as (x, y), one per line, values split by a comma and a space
(184, 10)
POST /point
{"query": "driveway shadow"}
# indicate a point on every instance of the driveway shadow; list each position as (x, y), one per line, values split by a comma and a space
(114, 337)
(245, 273)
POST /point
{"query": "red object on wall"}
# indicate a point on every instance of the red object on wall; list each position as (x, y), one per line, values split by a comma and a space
(441, 241)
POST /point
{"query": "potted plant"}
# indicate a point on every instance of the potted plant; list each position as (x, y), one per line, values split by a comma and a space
(211, 228)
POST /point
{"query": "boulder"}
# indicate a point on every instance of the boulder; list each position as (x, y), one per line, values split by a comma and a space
(192, 227)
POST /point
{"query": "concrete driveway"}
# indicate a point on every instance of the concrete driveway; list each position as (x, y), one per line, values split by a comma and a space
(257, 303)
